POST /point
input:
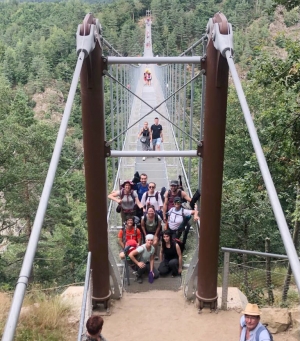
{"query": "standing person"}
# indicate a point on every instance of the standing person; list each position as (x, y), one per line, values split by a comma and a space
(145, 260)
(151, 224)
(152, 198)
(156, 135)
(127, 198)
(177, 214)
(94, 327)
(170, 256)
(145, 133)
(149, 77)
(141, 187)
(250, 327)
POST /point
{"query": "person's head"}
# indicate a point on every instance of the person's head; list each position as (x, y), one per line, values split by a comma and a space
(94, 325)
(152, 186)
(174, 185)
(156, 120)
(177, 202)
(143, 178)
(149, 239)
(130, 222)
(127, 185)
(252, 316)
(166, 238)
(151, 211)
(145, 125)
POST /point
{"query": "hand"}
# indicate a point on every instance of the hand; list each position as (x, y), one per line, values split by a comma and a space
(180, 270)
(164, 219)
(141, 265)
(120, 201)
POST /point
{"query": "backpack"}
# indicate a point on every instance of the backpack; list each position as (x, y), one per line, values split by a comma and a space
(155, 218)
(124, 233)
(180, 244)
(195, 198)
(156, 196)
(131, 193)
(259, 330)
(162, 193)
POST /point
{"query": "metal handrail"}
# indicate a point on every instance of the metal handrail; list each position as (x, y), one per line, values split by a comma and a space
(85, 294)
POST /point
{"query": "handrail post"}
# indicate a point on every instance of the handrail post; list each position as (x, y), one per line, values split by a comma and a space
(225, 281)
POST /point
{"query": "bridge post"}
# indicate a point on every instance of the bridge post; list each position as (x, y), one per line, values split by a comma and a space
(93, 121)
(216, 68)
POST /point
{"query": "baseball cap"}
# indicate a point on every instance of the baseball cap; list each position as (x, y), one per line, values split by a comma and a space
(174, 182)
(177, 199)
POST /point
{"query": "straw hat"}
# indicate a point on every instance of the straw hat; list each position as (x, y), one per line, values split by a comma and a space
(251, 309)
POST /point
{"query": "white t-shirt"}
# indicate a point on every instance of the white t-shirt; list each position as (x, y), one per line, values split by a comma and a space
(152, 200)
(144, 253)
(176, 217)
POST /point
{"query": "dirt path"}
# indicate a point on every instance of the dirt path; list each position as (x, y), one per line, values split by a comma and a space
(166, 315)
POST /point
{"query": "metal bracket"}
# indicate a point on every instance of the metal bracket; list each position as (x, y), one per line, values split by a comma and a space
(87, 43)
(107, 150)
(200, 149)
(203, 64)
(105, 65)
(222, 42)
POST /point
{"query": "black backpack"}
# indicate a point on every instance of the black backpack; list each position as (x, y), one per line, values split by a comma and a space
(195, 198)
(156, 196)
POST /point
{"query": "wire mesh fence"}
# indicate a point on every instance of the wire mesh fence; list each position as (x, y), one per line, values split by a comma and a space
(263, 282)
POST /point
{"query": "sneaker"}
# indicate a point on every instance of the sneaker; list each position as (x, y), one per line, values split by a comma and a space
(140, 279)
(144, 158)
(158, 158)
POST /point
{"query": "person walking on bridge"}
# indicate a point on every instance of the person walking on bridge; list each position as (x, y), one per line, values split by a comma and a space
(144, 136)
(251, 328)
(156, 135)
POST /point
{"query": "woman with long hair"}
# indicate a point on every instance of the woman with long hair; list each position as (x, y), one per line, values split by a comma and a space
(170, 256)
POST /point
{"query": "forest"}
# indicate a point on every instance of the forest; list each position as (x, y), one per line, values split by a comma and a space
(37, 59)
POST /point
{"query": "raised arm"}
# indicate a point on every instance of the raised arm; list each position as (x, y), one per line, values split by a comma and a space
(114, 195)
(185, 196)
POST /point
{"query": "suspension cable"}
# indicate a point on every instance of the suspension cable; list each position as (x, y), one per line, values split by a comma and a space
(277, 209)
(153, 108)
(19, 294)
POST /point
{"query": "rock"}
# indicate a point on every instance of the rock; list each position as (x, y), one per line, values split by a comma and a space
(277, 319)
(295, 320)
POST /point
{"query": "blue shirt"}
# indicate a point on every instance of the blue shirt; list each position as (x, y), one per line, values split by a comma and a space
(263, 335)
(140, 189)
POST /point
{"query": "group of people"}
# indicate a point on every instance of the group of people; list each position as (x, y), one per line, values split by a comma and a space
(251, 328)
(152, 135)
(148, 216)
(147, 73)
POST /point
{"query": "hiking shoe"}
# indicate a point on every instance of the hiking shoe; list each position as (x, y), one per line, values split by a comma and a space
(158, 158)
(144, 158)
(140, 279)
(156, 258)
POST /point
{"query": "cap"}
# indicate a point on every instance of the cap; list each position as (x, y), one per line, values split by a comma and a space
(177, 199)
(174, 182)
(149, 237)
(251, 309)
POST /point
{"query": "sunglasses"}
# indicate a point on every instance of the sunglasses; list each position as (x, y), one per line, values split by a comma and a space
(177, 202)
(151, 186)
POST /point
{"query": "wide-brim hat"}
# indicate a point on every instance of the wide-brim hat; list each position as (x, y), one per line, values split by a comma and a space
(127, 182)
(252, 309)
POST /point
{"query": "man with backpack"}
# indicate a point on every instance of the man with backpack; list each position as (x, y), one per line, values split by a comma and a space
(170, 195)
(141, 188)
(177, 215)
(251, 328)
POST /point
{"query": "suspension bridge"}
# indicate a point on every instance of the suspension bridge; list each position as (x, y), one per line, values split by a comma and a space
(193, 147)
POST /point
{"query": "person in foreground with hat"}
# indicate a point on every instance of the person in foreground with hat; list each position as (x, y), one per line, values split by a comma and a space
(127, 198)
(143, 257)
(250, 327)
